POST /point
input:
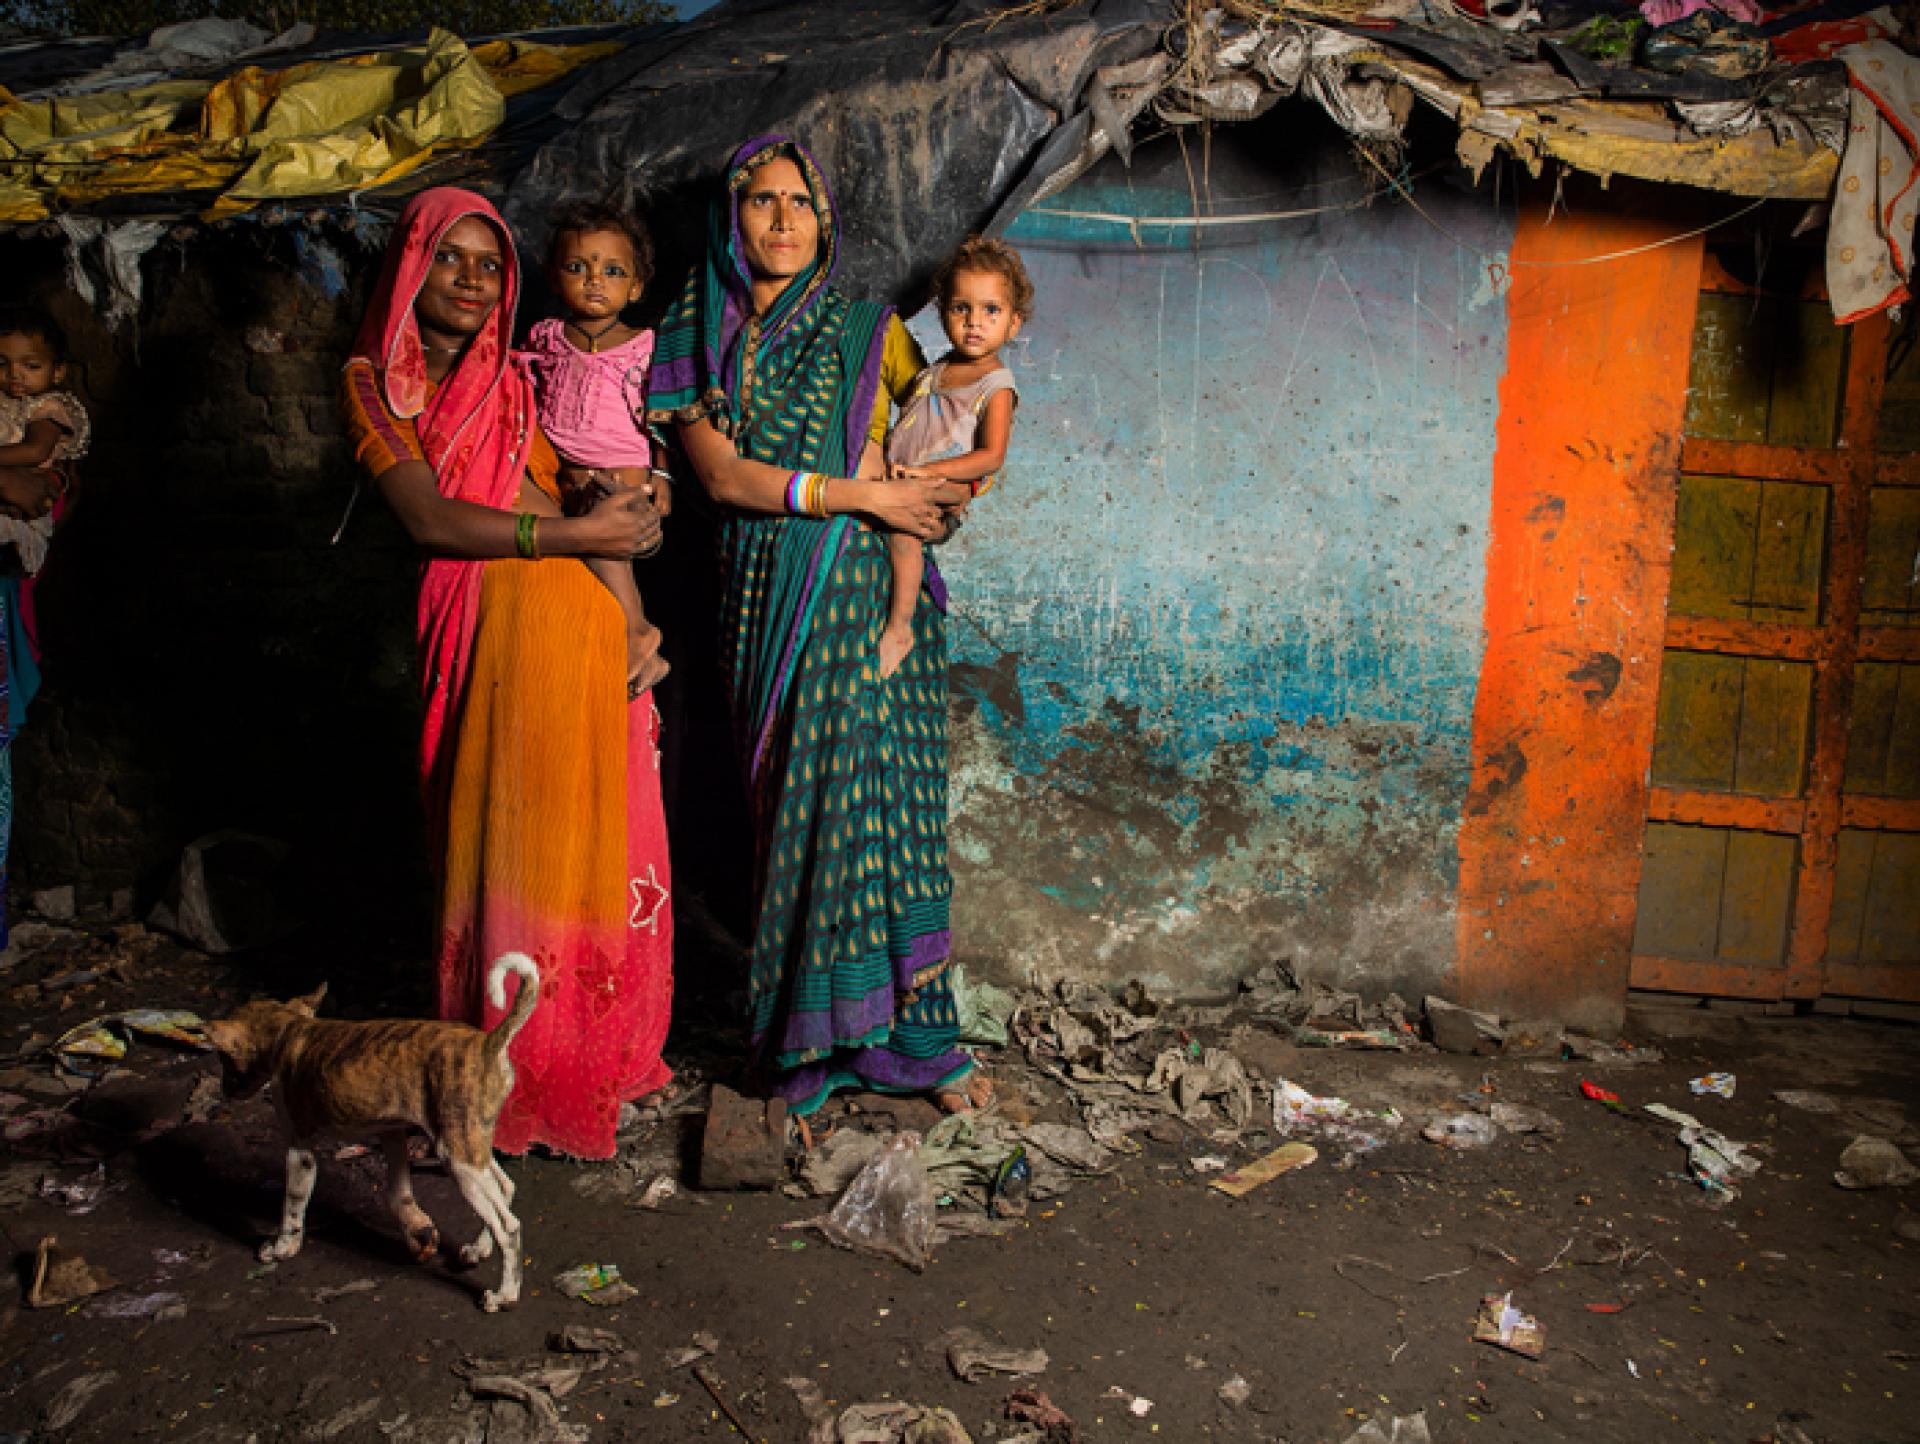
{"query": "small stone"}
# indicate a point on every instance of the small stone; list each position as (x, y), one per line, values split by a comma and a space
(55, 903)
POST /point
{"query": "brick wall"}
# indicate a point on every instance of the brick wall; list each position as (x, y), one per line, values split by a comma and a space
(211, 661)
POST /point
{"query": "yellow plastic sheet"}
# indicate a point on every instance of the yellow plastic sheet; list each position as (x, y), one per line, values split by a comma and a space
(311, 130)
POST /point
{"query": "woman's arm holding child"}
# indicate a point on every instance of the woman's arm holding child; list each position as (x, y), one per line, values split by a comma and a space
(989, 452)
(36, 447)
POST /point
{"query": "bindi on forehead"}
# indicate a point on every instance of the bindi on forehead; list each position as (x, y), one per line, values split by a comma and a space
(596, 245)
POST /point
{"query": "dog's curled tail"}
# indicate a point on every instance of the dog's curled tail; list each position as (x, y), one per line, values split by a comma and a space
(523, 1001)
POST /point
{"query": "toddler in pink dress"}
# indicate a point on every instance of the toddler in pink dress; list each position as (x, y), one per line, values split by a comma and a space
(590, 384)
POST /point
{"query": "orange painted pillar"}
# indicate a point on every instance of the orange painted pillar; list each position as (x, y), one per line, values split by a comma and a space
(1585, 475)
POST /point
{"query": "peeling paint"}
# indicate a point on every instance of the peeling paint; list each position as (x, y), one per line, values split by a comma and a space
(1218, 632)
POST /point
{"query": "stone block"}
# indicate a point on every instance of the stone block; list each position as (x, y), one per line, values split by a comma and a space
(56, 903)
(1455, 1029)
(745, 1144)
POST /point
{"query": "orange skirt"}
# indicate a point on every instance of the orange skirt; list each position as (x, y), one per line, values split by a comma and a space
(555, 846)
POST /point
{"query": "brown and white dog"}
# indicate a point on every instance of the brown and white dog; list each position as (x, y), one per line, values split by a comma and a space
(336, 1077)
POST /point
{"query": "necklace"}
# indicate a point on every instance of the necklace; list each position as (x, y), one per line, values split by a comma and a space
(593, 337)
(444, 350)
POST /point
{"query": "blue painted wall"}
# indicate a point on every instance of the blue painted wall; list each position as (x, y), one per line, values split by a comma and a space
(1217, 634)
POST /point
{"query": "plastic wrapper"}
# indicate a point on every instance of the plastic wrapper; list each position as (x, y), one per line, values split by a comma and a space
(889, 1209)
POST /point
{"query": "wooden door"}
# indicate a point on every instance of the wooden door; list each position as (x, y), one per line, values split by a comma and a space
(1782, 851)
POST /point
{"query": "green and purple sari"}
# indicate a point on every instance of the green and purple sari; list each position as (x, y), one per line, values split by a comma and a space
(847, 773)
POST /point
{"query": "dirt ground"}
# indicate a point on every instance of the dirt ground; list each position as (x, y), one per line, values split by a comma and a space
(1338, 1293)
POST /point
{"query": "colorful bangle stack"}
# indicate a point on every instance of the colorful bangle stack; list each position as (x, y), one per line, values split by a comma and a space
(807, 494)
(526, 536)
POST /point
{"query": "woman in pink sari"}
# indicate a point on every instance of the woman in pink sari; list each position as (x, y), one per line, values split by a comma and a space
(542, 777)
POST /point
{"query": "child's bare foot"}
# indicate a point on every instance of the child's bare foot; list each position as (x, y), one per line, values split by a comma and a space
(645, 665)
(895, 643)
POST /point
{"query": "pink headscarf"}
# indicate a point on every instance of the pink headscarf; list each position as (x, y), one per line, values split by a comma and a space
(475, 429)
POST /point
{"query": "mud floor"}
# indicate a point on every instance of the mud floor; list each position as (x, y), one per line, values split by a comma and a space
(1338, 1294)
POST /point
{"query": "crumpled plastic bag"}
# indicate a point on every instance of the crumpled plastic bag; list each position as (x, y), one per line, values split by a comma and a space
(1874, 1163)
(889, 1209)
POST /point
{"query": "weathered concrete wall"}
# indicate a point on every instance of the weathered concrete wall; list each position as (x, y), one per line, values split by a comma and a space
(1217, 636)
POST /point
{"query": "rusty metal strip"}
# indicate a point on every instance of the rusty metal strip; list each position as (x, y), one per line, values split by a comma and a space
(1897, 469)
(1720, 980)
(1833, 668)
(1883, 982)
(1881, 814)
(1725, 809)
(1889, 644)
(1744, 639)
(1765, 462)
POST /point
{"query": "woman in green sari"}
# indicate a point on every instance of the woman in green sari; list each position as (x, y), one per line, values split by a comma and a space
(779, 387)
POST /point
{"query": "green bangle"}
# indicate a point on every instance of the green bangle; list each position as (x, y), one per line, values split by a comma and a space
(523, 534)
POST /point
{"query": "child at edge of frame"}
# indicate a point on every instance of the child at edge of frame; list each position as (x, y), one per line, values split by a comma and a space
(958, 417)
(41, 423)
(590, 382)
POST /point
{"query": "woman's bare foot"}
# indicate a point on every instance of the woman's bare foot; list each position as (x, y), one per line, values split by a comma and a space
(645, 665)
(895, 643)
(975, 1093)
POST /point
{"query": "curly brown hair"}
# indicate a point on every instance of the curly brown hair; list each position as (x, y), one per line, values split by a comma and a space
(996, 258)
(584, 217)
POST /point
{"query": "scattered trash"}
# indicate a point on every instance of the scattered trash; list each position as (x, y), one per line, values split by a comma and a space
(302, 1324)
(656, 1193)
(1518, 1118)
(1030, 1406)
(1138, 1405)
(984, 1010)
(821, 1425)
(1591, 1050)
(1461, 1130)
(1455, 1029)
(1208, 1163)
(1874, 1163)
(157, 1306)
(1012, 1186)
(224, 894)
(1239, 1182)
(1405, 1429)
(1334, 1120)
(1499, 1323)
(888, 1210)
(83, 1194)
(72, 1400)
(900, 1424)
(584, 1339)
(1715, 1161)
(1377, 1039)
(832, 1163)
(1719, 1083)
(1072, 1146)
(1602, 1095)
(1633, 1368)
(1619, 1307)
(328, 1294)
(1235, 1392)
(703, 1346)
(61, 1277)
(1806, 1100)
(598, 1284)
(521, 1406)
(95, 1045)
(973, 1357)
